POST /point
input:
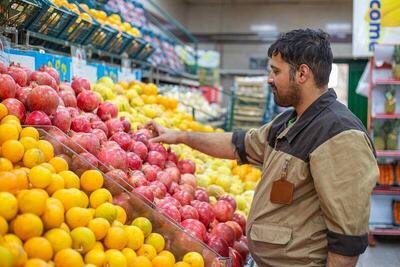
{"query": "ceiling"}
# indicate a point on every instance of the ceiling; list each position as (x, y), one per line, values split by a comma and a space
(243, 2)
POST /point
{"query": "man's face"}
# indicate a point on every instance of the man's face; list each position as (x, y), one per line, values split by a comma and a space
(286, 90)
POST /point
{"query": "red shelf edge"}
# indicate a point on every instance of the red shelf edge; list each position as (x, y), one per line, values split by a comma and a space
(383, 231)
(388, 153)
(386, 81)
(382, 189)
(386, 116)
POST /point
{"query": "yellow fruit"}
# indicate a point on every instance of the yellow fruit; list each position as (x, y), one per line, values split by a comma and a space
(33, 157)
(8, 182)
(130, 255)
(65, 228)
(30, 132)
(182, 264)
(53, 216)
(3, 111)
(83, 239)
(162, 261)
(32, 201)
(27, 225)
(168, 254)
(59, 239)
(22, 178)
(49, 167)
(107, 211)
(115, 238)
(99, 197)
(144, 224)
(121, 214)
(76, 217)
(3, 226)
(68, 258)
(57, 183)
(10, 238)
(99, 227)
(98, 245)
(71, 180)
(96, 257)
(156, 240)
(8, 132)
(6, 257)
(47, 149)
(71, 198)
(194, 259)
(148, 251)
(39, 177)
(16, 124)
(9, 118)
(59, 164)
(39, 247)
(12, 150)
(36, 263)
(5, 164)
(141, 261)
(55, 201)
(18, 252)
(91, 180)
(115, 258)
(135, 237)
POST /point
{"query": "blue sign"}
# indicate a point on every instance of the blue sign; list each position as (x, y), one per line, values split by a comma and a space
(104, 70)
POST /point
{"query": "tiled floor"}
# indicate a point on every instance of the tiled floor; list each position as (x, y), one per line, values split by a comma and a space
(386, 253)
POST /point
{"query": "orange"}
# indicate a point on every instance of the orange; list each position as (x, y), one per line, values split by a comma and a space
(8, 132)
(12, 150)
(162, 261)
(39, 247)
(9, 118)
(8, 182)
(47, 149)
(36, 263)
(99, 197)
(121, 214)
(99, 227)
(7, 258)
(76, 217)
(3, 226)
(168, 254)
(32, 201)
(182, 264)
(91, 180)
(22, 178)
(49, 167)
(156, 240)
(33, 157)
(115, 238)
(194, 259)
(5, 164)
(147, 250)
(130, 255)
(3, 111)
(71, 180)
(71, 197)
(59, 239)
(135, 237)
(98, 245)
(144, 224)
(39, 177)
(57, 183)
(27, 225)
(30, 132)
(115, 258)
(67, 258)
(96, 257)
(59, 164)
(18, 252)
(141, 261)
(11, 238)
(53, 215)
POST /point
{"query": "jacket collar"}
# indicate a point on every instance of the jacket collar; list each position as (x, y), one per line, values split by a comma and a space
(311, 113)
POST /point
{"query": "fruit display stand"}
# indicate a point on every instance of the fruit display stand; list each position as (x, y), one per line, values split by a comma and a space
(178, 241)
(383, 125)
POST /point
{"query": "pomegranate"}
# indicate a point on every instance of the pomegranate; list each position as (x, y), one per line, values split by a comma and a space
(87, 141)
(174, 174)
(100, 135)
(189, 179)
(113, 157)
(195, 228)
(73, 111)
(150, 172)
(3, 68)
(189, 212)
(43, 78)
(186, 166)
(134, 161)
(126, 124)
(85, 161)
(62, 119)
(100, 125)
(19, 75)
(114, 126)
(137, 178)
(68, 98)
(37, 118)
(145, 192)
(22, 94)
(80, 84)
(43, 98)
(15, 107)
(8, 87)
(81, 124)
(87, 101)
(164, 178)
(225, 232)
(201, 195)
(66, 87)
(123, 139)
(52, 72)
(156, 158)
(140, 149)
(158, 147)
(106, 111)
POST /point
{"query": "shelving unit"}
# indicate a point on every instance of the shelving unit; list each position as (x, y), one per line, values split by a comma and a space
(383, 126)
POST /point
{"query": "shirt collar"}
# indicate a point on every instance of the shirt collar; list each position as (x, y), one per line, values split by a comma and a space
(311, 112)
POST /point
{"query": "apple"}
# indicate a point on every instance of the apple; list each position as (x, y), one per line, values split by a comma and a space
(223, 211)
(189, 212)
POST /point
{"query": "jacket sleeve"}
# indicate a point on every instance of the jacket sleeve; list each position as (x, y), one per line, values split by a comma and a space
(345, 172)
(251, 145)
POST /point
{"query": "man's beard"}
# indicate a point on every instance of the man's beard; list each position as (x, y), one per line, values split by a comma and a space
(291, 99)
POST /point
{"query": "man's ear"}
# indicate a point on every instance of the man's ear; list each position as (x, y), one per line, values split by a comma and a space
(303, 73)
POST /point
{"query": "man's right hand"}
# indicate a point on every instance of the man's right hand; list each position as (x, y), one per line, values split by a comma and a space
(163, 135)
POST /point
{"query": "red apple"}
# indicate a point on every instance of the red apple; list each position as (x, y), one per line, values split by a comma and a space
(15, 107)
(189, 212)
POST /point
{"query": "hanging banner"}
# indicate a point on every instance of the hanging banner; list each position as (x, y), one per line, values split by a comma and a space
(374, 22)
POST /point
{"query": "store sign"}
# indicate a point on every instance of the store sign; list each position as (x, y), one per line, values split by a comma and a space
(374, 22)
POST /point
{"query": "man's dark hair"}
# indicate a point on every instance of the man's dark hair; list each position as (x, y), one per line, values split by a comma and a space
(308, 47)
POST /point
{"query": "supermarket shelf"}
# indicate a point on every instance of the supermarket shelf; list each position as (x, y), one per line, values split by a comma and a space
(386, 190)
(387, 81)
(386, 116)
(385, 231)
(248, 118)
(252, 99)
(388, 153)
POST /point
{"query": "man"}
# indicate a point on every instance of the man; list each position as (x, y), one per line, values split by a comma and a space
(311, 207)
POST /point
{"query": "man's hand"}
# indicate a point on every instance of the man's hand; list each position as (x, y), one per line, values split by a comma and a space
(336, 260)
(163, 135)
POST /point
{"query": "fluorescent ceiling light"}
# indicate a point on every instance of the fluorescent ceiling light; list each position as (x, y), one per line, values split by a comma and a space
(263, 28)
